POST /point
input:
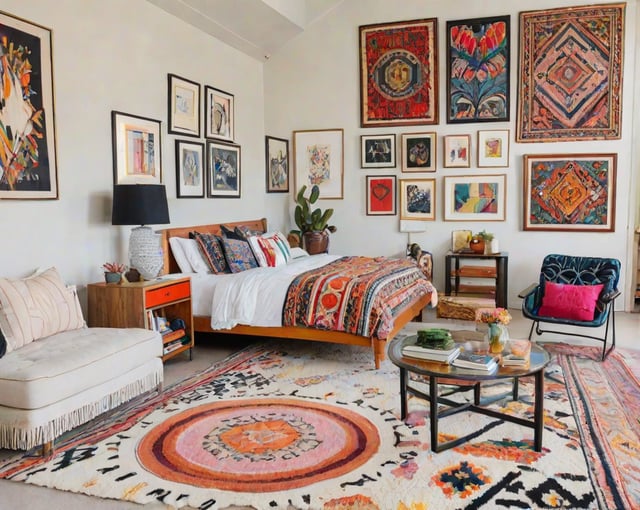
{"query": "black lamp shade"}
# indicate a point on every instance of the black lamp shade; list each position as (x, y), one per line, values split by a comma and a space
(139, 204)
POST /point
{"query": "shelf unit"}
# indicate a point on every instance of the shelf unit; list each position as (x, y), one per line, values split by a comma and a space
(461, 272)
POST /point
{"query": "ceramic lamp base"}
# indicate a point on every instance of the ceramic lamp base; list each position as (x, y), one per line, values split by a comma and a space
(145, 253)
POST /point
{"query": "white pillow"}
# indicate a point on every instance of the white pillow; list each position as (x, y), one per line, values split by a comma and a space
(194, 255)
(180, 255)
(271, 249)
(297, 252)
(37, 307)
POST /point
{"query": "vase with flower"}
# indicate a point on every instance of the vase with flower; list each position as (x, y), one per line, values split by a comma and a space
(496, 320)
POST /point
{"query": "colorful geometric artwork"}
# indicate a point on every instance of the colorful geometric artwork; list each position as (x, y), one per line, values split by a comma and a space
(398, 73)
(571, 74)
(478, 70)
(569, 193)
(475, 197)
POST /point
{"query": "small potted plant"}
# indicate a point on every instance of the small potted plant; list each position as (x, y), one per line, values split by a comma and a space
(113, 271)
(313, 224)
(483, 242)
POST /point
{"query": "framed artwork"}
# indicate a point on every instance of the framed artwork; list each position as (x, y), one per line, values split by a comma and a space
(493, 148)
(184, 106)
(277, 164)
(399, 73)
(28, 168)
(475, 197)
(319, 159)
(418, 199)
(460, 241)
(418, 152)
(457, 151)
(570, 82)
(478, 70)
(223, 163)
(137, 149)
(190, 169)
(218, 114)
(378, 151)
(570, 192)
(381, 195)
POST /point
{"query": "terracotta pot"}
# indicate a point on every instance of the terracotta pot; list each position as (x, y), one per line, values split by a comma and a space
(477, 245)
(316, 242)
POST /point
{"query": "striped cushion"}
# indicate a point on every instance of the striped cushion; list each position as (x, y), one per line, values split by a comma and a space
(271, 250)
(211, 248)
(37, 307)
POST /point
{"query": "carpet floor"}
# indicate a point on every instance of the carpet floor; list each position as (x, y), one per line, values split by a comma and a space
(304, 425)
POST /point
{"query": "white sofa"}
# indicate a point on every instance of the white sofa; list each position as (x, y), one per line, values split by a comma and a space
(66, 374)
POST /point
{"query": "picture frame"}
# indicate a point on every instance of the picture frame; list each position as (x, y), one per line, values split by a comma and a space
(493, 148)
(410, 48)
(190, 169)
(219, 114)
(460, 241)
(378, 151)
(223, 169)
(30, 170)
(418, 199)
(381, 195)
(276, 164)
(570, 192)
(475, 46)
(137, 149)
(457, 151)
(319, 159)
(572, 56)
(184, 106)
(475, 197)
(419, 152)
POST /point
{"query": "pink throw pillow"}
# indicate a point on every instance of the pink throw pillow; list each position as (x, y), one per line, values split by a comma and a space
(566, 301)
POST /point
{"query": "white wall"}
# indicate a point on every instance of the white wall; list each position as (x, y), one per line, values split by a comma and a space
(313, 83)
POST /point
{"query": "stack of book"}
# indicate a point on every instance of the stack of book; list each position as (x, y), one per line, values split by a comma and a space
(481, 363)
(435, 344)
(519, 355)
(173, 340)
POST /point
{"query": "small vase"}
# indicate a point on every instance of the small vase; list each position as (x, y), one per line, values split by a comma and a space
(111, 277)
(477, 245)
(497, 335)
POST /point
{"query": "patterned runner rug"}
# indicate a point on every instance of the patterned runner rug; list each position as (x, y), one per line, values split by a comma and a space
(304, 425)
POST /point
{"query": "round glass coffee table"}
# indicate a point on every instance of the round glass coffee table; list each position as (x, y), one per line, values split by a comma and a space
(468, 380)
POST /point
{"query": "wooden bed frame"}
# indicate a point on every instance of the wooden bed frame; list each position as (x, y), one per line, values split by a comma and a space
(203, 323)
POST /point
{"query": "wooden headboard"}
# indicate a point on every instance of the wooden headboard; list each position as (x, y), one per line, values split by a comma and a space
(169, 263)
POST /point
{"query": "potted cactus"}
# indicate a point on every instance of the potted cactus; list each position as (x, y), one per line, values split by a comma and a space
(313, 224)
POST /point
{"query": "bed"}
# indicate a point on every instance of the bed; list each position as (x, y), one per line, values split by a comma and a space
(203, 320)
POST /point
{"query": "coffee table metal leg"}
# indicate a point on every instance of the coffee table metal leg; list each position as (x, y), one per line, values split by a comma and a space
(433, 412)
(403, 393)
(538, 411)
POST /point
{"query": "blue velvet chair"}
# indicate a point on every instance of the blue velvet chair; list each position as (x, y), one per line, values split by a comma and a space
(567, 269)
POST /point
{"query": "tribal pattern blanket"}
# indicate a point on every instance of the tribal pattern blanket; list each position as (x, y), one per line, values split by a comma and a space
(357, 295)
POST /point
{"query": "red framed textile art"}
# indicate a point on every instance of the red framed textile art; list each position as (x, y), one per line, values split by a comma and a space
(574, 192)
(570, 84)
(399, 73)
(381, 195)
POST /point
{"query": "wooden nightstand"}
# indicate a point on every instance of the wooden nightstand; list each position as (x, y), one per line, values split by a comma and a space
(131, 305)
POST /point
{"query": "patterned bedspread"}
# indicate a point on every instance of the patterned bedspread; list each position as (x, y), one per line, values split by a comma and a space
(358, 295)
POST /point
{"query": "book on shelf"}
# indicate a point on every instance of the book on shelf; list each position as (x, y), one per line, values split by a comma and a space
(441, 355)
(476, 361)
(171, 334)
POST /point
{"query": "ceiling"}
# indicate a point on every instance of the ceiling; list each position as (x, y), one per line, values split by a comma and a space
(257, 28)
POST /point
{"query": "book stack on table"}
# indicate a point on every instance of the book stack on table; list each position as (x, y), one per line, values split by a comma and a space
(435, 344)
(519, 355)
(480, 363)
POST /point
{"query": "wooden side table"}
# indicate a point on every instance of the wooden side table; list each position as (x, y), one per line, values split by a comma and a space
(455, 269)
(133, 305)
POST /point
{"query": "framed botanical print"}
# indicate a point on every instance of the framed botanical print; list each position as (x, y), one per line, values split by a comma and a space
(137, 149)
(381, 195)
(571, 192)
(417, 199)
(277, 164)
(493, 148)
(223, 163)
(28, 167)
(418, 152)
(475, 197)
(457, 151)
(378, 151)
(319, 159)
(190, 169)
(184, 106)
(399, 73)
(478, 69)
(219, 114)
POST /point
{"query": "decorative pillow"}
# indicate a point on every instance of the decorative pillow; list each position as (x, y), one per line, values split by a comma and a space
(37, 307)
(566, 301)
(238, 254)
(271, 250)
(245, 232)
(194, 256)
(212, 250)
(230, 233)
(297, 252)
(181, 257)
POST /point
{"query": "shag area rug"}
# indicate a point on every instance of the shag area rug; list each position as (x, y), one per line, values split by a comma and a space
(305, 425)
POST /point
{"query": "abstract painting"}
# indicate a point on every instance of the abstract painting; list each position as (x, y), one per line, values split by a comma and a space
(378, 151)
(475, 197)
(224, 170)
(184, 106)
(319, 159)
(570, 192)
(417, 199)
(381, 195)
(457, 151)
(277, 164)
(571, 74)
(399, 73)
(493, 148)
(418, 152)
(219, 116)
(137, 149)
(190, 169)
(28, 168)
(478, 70)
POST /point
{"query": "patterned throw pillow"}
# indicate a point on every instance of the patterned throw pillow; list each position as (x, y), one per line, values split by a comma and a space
(271, 250)
(238, 254)
(211, 248)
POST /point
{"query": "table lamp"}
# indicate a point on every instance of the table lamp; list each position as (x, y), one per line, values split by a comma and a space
(142, 204)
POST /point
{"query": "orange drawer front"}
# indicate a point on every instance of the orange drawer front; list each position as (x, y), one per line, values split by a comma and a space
(158, 297)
